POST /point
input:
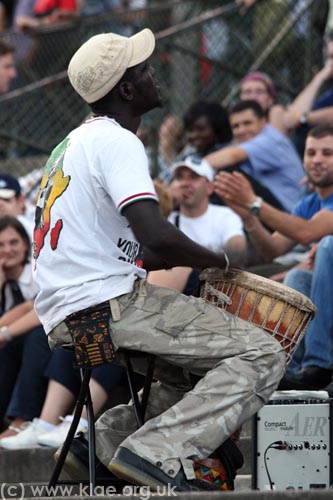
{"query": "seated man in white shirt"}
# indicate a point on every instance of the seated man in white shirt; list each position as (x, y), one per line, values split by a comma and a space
(214, 227)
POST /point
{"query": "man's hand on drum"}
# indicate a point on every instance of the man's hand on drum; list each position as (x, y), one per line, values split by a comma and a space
(236, 191)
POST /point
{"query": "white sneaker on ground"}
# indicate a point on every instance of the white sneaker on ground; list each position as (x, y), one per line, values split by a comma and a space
(58, 435)
(25, 438)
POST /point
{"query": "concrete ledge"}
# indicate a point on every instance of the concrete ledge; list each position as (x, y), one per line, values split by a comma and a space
(223, 496)
(22, 466)
(36, 464)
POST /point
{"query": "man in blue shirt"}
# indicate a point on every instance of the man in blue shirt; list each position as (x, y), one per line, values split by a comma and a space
(311, 221)
(262, 153)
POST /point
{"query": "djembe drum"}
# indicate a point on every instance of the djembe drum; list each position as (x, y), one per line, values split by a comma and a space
(281, 311)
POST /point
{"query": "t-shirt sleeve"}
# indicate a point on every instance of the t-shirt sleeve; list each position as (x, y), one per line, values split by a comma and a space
(234, 227)
(301, 209)
(125, 171)
(259, 152)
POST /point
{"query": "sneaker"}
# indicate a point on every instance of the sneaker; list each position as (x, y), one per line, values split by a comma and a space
(25, 438)
(12, 430)
(58, 435)
(131, 467)
(217, 472)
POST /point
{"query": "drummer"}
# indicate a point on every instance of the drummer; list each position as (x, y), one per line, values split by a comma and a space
(312, 219)
(97, 211)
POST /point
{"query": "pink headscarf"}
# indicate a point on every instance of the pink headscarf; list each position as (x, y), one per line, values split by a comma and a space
(262, 77)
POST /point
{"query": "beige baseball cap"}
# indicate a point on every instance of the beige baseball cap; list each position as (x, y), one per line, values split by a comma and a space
(99, 64)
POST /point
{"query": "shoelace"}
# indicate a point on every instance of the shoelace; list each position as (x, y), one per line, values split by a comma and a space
(25, 426)
(13, 428)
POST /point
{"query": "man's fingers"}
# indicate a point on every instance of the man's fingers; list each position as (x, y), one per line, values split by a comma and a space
(224, 189)
(230, 185)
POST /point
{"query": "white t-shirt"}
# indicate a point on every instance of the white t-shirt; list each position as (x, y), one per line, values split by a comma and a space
(213, 229)
(84, 248)
(27, 284)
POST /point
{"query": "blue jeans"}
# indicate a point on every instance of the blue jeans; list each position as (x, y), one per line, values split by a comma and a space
(316, 348)
(22, 365)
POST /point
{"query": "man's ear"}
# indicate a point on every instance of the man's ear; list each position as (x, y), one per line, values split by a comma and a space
(22, 202)
(126, 91)
(210, 188)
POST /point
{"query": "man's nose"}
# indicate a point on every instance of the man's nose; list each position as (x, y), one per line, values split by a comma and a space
(241, 129)
(192, 134)
(318, 158)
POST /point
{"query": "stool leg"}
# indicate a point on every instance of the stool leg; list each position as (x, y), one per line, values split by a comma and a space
(133, 391)
(139, 407)
(147, 385)
(91, 440)
(69, 438)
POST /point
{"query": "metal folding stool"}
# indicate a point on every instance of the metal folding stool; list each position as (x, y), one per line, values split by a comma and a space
(84, 399)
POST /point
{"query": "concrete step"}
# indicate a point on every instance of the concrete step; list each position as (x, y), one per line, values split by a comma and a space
(36, 464)
(22, 466)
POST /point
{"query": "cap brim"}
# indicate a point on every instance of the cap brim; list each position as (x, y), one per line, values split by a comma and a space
(202, 172)
(143, 45)
(176, 166)
(6, 194)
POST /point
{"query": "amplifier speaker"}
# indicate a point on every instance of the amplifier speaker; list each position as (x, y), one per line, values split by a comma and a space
(292, 442)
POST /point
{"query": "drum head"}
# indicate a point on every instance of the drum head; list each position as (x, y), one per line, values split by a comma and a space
(261, 285)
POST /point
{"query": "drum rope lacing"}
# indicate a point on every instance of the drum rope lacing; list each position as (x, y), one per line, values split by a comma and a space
(209, 289)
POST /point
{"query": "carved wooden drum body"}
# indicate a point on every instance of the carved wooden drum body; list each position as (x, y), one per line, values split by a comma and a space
(279, 310)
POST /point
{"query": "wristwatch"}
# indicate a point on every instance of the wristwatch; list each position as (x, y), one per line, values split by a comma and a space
(256, 205)
(303, 119)
(4, 330)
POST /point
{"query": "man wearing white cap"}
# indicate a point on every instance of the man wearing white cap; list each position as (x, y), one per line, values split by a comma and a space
(215, 227)
(97, 220)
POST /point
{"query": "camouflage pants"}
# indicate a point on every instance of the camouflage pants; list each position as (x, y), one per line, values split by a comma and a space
(240, 364)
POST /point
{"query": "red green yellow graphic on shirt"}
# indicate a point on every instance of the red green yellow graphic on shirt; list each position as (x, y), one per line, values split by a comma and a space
(53, 185)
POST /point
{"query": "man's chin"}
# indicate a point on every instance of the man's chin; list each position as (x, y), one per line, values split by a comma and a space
(156, 104)
(159, 102)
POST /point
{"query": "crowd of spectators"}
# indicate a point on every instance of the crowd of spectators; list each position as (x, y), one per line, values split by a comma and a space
(270, 203)
(30, 14)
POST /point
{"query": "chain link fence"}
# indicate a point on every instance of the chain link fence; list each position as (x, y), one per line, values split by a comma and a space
(203, 50)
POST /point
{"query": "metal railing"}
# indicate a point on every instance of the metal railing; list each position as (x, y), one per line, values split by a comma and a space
(203, 49)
